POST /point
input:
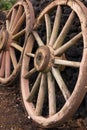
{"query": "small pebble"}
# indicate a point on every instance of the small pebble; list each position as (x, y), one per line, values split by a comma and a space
(29, 117)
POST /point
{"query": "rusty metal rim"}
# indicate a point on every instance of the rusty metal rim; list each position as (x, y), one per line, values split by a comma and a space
(75, 99)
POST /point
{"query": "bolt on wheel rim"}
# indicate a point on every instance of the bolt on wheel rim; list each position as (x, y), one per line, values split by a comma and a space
(13, 38)
(44, 85)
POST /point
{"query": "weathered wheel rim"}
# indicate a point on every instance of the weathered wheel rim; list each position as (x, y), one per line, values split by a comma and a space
(79, 91)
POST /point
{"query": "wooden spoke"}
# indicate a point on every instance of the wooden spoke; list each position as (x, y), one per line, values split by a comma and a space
(7, 64)
(30, 55)
(34, 88)
(7, 24)
(41, 95)
(56, 25)
(51, 94)
(64, 31)
(13, 17)
(13, 57)
(22, 32)
(17, 47)
(0, 33)
(2, 69)
(67, 45)
(61, 83)
(19, 23)
(1, 55)
(30, 73)
(38, 39)
(18, 15)
(67, 63)
(48, 27)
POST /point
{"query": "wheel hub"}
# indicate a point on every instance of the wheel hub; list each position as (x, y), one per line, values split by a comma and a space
(3, 39)
(42, 58)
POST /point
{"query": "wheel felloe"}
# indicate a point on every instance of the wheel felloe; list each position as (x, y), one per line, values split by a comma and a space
(3, 39)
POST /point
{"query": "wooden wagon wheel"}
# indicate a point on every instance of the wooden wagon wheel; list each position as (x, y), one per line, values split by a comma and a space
(20, 20)
(48, 95)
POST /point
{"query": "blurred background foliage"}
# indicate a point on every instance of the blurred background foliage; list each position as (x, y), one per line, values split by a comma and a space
(6, 4)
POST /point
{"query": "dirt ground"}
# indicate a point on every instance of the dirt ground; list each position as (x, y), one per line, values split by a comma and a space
(13, 116)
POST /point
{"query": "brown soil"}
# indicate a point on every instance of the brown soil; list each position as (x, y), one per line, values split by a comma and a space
(13, 117)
